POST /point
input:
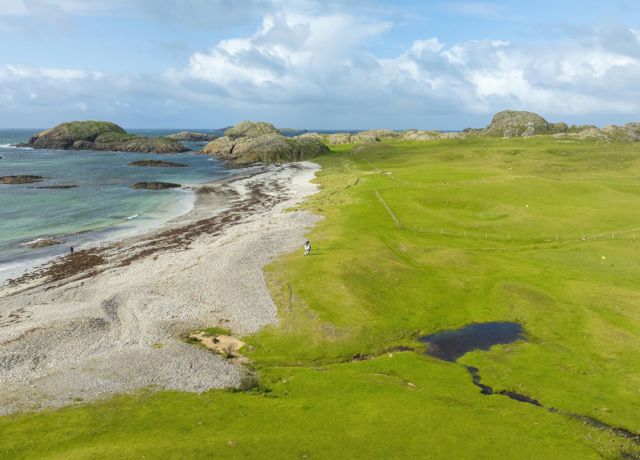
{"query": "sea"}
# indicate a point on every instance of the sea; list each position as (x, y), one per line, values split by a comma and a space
(102, 207)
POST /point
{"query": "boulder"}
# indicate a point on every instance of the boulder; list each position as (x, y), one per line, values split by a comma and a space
(17, 180)
(248, 146)
(157, 164)
(192, 136)
(155, 185)
(100, 135)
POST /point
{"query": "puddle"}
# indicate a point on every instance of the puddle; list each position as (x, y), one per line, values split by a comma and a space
(451, 345)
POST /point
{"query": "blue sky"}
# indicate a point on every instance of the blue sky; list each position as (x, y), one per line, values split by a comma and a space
(317, 64)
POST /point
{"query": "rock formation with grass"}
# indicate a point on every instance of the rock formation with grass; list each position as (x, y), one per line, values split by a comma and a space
(258, 142)
(100, 135)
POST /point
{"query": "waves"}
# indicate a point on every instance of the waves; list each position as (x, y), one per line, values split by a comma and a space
(13, 146)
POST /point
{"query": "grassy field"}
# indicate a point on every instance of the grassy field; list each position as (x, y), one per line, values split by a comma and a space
(420, 237)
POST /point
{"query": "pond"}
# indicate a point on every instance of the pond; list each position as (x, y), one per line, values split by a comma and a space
(452, 344)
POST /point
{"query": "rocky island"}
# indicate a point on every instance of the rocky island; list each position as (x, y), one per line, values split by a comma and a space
(258, 142)
(100, 135)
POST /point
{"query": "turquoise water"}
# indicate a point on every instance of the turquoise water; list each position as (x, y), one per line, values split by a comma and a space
(102, 204)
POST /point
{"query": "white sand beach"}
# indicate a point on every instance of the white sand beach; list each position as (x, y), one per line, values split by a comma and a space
(112, 319)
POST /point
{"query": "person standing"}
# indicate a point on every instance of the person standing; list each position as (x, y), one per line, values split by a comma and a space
(307, 248)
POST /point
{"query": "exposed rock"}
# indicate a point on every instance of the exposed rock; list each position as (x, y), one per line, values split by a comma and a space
(100, 135)
(155, 185)
(363, 137)
(417, 135)
(315, 136)
(248, 146)
(42, 243)
(192, 136)
(510, 123)
(379, 134)
(58, 187)
(627, 133)
(16, 180)
(250, 129)
(157, 164)
(339, 138)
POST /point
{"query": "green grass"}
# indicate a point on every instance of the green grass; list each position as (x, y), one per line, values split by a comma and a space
(486, 230)
(89, 130)
(213, 331)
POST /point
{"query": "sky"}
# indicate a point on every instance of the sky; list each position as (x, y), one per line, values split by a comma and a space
(331, 64)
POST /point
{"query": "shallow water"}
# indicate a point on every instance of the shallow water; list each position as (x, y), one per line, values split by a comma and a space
(452, 344)
(102, 205)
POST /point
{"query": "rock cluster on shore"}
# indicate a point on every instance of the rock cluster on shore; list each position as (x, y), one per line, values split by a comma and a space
(100, 135)
(259, 142)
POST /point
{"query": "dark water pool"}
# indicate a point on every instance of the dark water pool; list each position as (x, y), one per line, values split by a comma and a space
(452, 344)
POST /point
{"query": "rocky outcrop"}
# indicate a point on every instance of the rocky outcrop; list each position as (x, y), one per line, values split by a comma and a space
(510, 123)
(155, 185)
(58, 187)
(418, 135)
(42, 243)
(17, 180)
(627, 133)
(363, 137)
(316, 136)
(100, 135)
(339, 138)
(250, 129)
(192, 136)
(157, 164)
(251, 142)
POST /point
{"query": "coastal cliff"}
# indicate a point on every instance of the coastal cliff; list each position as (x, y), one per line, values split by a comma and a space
(100, 135)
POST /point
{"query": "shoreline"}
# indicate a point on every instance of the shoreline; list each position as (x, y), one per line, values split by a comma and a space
(132, 226)
(110, 319)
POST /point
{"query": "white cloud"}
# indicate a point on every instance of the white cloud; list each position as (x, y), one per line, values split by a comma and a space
(297, 59)
(320, 71)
